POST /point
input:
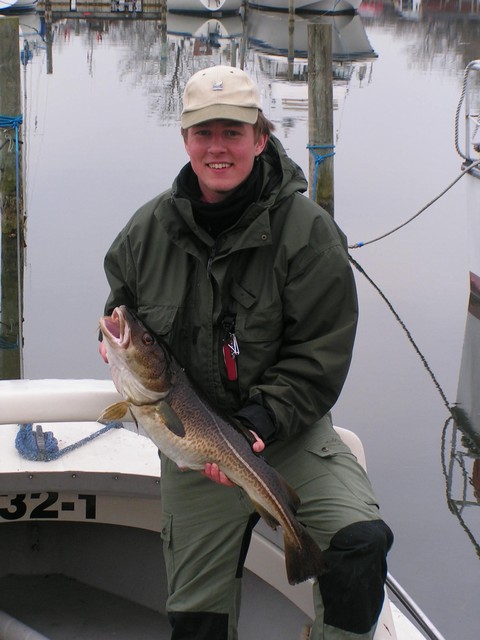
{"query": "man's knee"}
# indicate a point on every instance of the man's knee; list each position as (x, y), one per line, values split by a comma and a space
(353, 588)
(201, 625)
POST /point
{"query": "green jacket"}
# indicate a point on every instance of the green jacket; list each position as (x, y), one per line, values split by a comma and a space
(282, 273)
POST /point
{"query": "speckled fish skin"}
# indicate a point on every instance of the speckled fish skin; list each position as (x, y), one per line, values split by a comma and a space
(181, 423)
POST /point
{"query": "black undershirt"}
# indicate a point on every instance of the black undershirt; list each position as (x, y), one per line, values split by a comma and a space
(216, 217)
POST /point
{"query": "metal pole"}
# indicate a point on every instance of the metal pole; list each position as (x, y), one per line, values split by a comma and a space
(422, 620)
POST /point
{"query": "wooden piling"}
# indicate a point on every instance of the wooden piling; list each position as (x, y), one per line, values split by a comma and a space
(320, 115)
(291, 39)
(11, 205)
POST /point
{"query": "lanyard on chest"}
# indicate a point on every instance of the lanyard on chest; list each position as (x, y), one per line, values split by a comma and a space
(230, 347)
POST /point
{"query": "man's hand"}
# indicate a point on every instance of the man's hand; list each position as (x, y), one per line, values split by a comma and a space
(212, 471)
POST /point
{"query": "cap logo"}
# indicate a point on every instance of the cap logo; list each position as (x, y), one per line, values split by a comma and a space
(218, 86)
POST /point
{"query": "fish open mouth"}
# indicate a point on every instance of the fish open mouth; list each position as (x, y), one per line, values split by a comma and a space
(115, 328)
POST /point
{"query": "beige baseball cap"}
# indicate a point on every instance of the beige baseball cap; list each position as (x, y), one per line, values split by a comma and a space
(220, 92)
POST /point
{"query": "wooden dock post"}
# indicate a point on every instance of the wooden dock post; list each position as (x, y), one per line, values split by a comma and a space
(11, 204)
(320, 115)
(291, 39)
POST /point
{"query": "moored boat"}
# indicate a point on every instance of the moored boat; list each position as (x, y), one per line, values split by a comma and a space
(312, 6)
(464, 460)
(16, 6)
(223, 7)
(270, 32)
(80, 537)
(469, 151)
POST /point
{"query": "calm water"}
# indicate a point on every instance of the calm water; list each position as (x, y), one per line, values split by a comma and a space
(102, 138)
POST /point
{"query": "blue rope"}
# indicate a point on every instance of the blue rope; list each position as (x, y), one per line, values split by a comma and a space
(43, 446)
(319, 158)
(14, 122)
(7, 343)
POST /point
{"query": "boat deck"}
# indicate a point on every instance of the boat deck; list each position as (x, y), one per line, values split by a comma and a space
(61, 608)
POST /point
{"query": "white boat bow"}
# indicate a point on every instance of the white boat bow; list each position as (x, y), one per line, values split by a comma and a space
(84, 526)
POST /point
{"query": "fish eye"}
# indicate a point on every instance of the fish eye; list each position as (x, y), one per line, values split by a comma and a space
(147, 339)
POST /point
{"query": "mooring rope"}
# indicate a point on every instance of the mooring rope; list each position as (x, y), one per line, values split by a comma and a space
(42, 445)
(13, 122)
(471, 65)
(406, 330)
(469, 164)
(464, 170)
(319, 158)
(471, 440)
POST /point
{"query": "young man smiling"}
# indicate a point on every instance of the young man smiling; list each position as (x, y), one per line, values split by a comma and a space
(222, 153)
(250, 284)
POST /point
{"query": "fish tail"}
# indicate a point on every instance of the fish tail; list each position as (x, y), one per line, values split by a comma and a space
(303, 557)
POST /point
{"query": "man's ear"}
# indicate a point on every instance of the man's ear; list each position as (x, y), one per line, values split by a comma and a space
(260, 144)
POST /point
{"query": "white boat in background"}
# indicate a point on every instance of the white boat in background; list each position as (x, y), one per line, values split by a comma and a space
(469, 151)
(463, 467)
(309, 6)
(80, 540)
(270, 32)
(223, 7)
(205, 28)
(6, 4)
(14, 6)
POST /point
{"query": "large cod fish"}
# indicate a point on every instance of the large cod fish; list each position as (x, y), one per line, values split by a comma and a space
(161, 398)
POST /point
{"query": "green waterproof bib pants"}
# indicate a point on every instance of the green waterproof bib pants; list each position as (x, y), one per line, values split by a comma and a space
(206, 528)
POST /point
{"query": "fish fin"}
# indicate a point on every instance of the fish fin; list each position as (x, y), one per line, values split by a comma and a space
(269, 519)
(304, 560)
(170, 419)
(114, 412)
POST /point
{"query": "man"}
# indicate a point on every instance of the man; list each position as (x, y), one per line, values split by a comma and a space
(250, 284)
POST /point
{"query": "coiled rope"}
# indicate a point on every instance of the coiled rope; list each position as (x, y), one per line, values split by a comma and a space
(42, 445)
(471, 65)
(7, 123)
(319, 158)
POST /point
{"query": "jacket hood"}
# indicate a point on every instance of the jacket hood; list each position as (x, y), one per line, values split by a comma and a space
(281, 174)
(281, 178)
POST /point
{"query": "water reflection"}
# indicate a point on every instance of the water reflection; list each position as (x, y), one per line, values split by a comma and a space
(160, 54)
(461, 464)
(461, 438)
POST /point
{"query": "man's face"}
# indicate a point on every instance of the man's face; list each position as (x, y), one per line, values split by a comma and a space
(222, 153)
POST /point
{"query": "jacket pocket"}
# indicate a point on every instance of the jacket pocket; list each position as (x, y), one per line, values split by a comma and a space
(158, 318)
(339, 460)
(258, 315)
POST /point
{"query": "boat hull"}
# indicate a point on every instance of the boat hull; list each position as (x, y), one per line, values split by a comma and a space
(14, 6)
(80, 531)
(309, 6)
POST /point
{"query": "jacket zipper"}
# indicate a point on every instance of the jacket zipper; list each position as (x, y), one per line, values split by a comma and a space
(211, 258)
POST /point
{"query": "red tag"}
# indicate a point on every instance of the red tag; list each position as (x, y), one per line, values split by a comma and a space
(230, 364)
